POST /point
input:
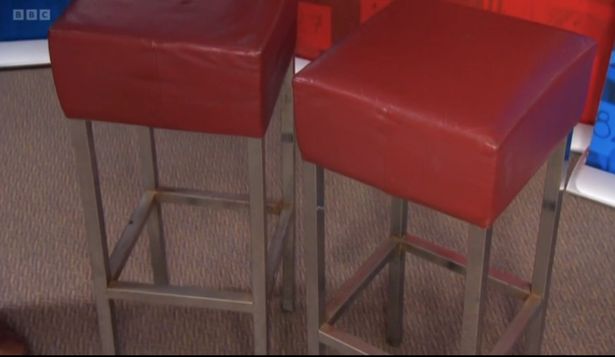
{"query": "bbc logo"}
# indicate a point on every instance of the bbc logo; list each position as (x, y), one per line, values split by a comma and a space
(31, 14)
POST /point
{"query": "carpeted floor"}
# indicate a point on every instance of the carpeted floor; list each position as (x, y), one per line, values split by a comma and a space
(44, 272)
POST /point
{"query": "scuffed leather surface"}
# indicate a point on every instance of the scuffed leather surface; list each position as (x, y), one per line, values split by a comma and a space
(447, 106)
(212, 66)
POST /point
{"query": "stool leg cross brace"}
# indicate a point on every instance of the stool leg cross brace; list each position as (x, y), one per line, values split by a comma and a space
(266, 256)
(322, 314)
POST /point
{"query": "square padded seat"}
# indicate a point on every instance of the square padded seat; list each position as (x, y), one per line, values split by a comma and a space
(211, 66)
(443, 105)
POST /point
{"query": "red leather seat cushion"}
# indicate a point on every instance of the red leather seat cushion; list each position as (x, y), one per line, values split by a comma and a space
(443, 105)
(213, 66)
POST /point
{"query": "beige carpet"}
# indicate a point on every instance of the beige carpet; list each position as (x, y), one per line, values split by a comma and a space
(44, 272)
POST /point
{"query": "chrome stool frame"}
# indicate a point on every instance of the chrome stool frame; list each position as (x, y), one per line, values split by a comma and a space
(265, 258)
(322, 314)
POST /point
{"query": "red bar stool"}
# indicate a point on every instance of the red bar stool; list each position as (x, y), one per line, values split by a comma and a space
(202, 66)
(448, 107)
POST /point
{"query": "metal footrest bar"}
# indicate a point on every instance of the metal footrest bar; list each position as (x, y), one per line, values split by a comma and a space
(347, 344)
(276, 246)
(208, 198)
(130, 235)
(517, 326)
(454, 261)
(138, 219)
(189, 296)
(346, 294)
(184, 296)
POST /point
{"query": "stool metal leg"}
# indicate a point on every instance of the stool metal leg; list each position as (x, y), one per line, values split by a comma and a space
(147, 156)
(479, 246)
(258, 231)
(87, 170)
(314, 245)
(555, 184)
(288, 184)
(395, 308)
